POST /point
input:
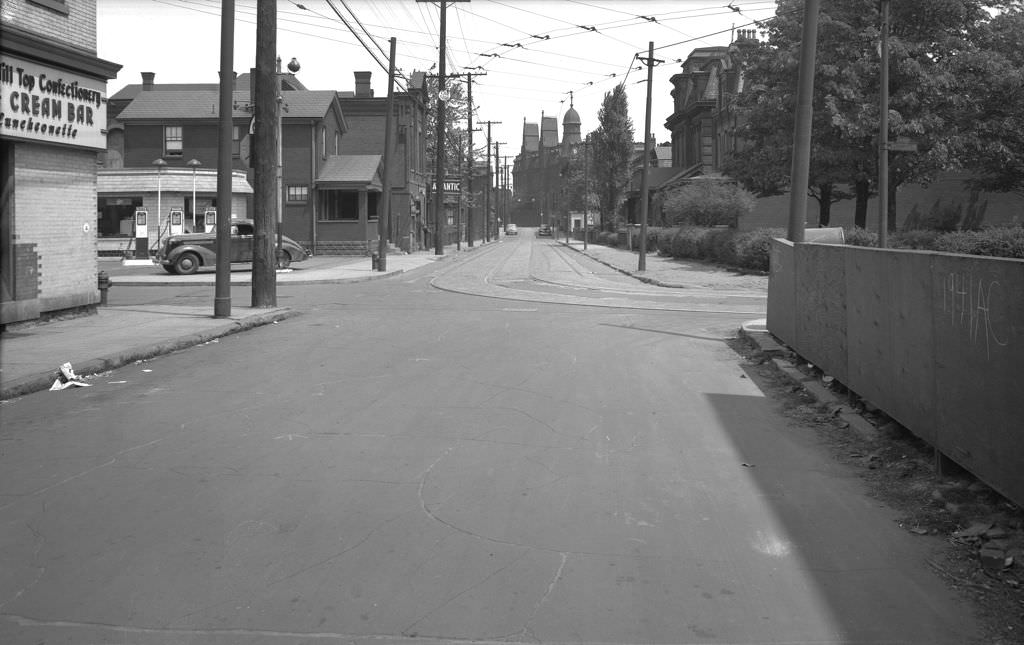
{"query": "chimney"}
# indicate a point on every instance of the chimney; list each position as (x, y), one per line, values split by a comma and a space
(363, 84)
(147, 81)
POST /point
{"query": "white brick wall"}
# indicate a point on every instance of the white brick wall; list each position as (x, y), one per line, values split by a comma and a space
(77, 28)
(55, 208)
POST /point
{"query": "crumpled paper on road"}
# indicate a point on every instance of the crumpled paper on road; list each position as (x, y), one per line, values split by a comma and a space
(66, 378)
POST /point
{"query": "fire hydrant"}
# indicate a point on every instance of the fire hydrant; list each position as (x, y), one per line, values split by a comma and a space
(103, 282)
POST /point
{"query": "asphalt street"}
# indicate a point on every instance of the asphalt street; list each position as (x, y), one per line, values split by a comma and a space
(514, 445)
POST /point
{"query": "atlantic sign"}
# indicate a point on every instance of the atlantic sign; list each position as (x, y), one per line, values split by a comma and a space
(48, 105)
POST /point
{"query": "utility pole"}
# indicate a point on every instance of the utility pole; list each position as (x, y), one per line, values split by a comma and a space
(487, 189)
(542, 157)
(586, 188)
(265, 199)
(498, 198)
(650, 61)
(384, 217)
(442, 96)
(800, 175)
(883, 132)
(470, 160)
(222, 285)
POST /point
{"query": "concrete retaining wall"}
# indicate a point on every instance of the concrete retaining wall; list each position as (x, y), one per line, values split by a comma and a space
(935, 340)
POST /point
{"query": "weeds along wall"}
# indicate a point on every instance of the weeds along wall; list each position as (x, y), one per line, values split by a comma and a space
(934, 340)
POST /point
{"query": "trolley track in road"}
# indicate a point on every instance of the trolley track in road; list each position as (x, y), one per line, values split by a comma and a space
(549, 273)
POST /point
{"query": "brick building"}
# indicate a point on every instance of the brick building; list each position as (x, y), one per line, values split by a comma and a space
(53, 103)
(331, 160)
(366, 116)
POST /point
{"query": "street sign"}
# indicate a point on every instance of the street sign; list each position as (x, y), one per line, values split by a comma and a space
(902, 145)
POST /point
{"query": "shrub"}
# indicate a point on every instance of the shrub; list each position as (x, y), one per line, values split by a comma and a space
(717, 245)
(857, 236)
(708, 202)
(915, 239)
(753, 248)
(608, 238)
(996, 242)
(686, 242)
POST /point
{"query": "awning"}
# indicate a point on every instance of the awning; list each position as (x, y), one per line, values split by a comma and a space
(171, 180)
(351, 172)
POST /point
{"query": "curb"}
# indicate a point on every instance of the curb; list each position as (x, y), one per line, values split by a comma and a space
(40, 382)
(128, 282)
(771, 347)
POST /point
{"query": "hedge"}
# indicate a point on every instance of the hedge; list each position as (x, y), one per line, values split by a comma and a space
(751, 250)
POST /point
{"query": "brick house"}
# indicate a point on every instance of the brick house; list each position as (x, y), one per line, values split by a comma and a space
(331, 162)
(53, 107)
(366, 117)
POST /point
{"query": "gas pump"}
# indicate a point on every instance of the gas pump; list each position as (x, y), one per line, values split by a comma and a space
(210, 220)
(177, 223)
(141, 235)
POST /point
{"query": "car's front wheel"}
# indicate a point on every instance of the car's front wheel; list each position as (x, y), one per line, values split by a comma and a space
(186, 264)
(284, 260)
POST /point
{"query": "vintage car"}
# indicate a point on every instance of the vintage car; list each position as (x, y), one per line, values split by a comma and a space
(185, 253)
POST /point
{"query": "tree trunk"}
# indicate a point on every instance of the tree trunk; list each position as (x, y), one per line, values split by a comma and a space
(891, 221)
(824, 205)
(862, 188)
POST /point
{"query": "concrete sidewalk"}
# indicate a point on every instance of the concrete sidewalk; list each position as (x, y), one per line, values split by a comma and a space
(32, 353)
(671, 272)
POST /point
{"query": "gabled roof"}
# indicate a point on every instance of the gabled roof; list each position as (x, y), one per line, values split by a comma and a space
(351, 171)
(129, 92)
(192, 104)
(664, 155)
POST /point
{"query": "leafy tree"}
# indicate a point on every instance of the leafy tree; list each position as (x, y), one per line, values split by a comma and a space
(456, 111)
(990, 118)
(612, 153)
(708, 202)
(939, 94)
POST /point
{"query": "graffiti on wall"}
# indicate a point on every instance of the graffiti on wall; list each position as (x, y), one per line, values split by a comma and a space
(968, 304)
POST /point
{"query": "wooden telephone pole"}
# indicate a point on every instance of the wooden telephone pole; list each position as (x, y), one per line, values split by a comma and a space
(470, 161)
(487, 188)
(498, 195)
(440, 140)
(265, 199)
(384, 217)
(650, 61)
(222, 284)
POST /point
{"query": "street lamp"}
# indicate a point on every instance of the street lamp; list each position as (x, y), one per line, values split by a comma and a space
(193, 164)
(159, 163)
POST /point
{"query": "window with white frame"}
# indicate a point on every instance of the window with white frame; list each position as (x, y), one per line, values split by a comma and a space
(236, 141)
(172, 141)
(298, 193)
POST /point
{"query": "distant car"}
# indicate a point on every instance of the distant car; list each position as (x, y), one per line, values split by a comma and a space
(184, 254)
(544, 231)
(511, 230)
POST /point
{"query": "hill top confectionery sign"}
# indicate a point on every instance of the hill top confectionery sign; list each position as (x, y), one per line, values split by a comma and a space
(49, 105)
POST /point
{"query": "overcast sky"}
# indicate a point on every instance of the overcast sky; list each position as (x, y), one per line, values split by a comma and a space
(534, 52)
